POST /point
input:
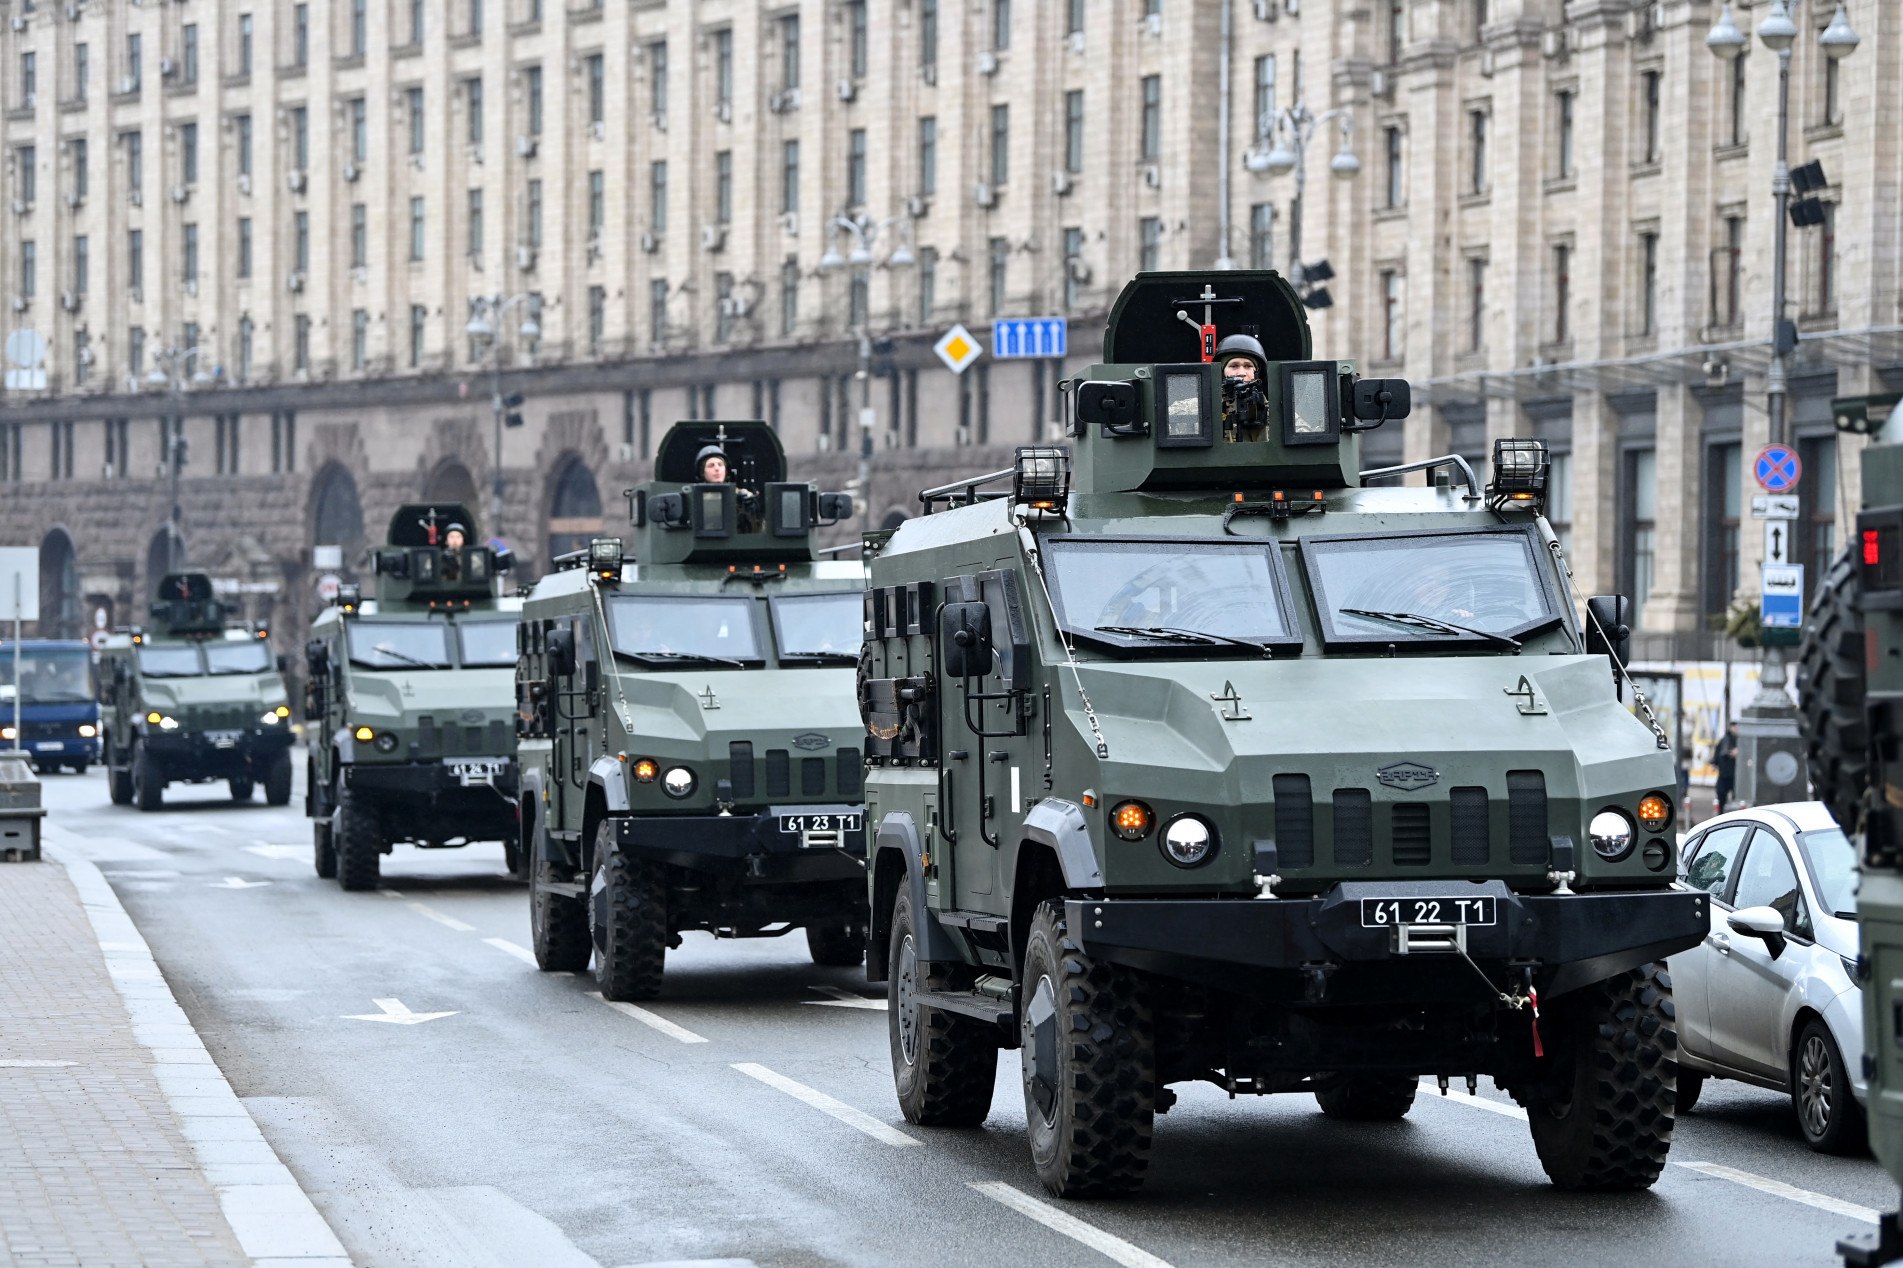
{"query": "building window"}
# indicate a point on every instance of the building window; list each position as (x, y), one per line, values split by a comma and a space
(1151, 141)
(419, 317)
(532, 91)
(657, 196)
(859, 46)
(472, 101)
(1000, 25)
(1816, 541)
(789, 177)
(1648, 283)
(300, 35)
(789, 296)
(1393, 337)
(723, 187)
(189, 256)
(723, 307)
(301, 344)
(26, 173)
(82, 258)
(187, 153)
(135, 61)
(135, 159)
(856, 168)
(1564, 110)
(475, 17)
(359, 26)
(82, 71)
(416, 21)
(1477, 151)
(1000, 145)
(1723, 493)
(1264, 96)
(1826, 295)
(359, 130)
(243, 125)
(998, 256)
(244, 246)
(1738, 133)
(928, 33)
(29, 79)
(1476, 303)
(723, 68)
(359, 339)
(1074, 17)
(1396, 184)
(359, 236)
(29, 268)
(413, 108)
(1727, 274)
(1641, 494)
(597, 90)
(135, 260)
(1562, 292)
(1149, 243)
(1073, 265)
(597, 318)
(1074, 130)
(1832, 104)
(927, 156)
(657, 81)
(790, 51)
(597, 208)
(82, 170)
(1262, 236)
(533, 216)
(244, 44)
(300, 138)
(188, 53)
(1650, 90)
(301, 241)
(474, 247)
(859, 301)
(1397, 30)
(418, 228)
(657, 309)
(927, 284)
(1480, 20)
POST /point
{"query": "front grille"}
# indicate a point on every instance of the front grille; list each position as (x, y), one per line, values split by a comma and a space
(740, 768)
(1294, 821)
(1413, 837)
(1354, 827)
(812, 776)
(851, 771)
(1469, 813)
(779, 773)
(429, 737)
(1526, 817)
(501, 737)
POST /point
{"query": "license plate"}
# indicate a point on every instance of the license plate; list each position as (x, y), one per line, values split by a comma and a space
(47, 745)
(477, 772)
(1382, 913)
(223, 739)
(798, 825)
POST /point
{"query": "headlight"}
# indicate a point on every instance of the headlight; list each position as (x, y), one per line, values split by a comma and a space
(6, 733)
(363, 735)
(283, 711)
(646, 771)
(270, 719)
(386, 743)
(168, 724)
(1611, 834)
(1655, 812)
(87, 730)
(678, 782)
(1189, 841)
(1131, 820)
(153, 718)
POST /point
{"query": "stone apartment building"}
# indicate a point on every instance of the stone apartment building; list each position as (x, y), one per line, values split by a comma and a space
(266, 222)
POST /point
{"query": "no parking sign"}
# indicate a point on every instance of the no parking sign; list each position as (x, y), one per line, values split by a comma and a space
(1777, 468)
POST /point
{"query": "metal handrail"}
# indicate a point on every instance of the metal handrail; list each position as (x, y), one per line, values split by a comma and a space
(1429, 464)
(969, 487)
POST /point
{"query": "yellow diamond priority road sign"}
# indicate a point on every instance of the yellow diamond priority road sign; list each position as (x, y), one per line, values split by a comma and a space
(958, 349)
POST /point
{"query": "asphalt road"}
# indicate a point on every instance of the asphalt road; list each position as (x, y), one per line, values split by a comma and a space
(748, 1115)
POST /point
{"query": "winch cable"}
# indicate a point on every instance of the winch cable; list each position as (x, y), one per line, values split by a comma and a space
(1063, 636)
(1638, 697)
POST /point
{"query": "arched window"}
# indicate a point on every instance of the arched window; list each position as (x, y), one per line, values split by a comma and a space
(451, 482)
(574, 508)
(59, 587)
(336, 514)
(165, 553)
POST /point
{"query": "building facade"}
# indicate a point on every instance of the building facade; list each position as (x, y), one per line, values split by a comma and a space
(263, 227)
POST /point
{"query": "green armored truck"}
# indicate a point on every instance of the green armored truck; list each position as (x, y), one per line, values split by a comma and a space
(690, 749)
(1194, 757)
(191, 698)
(410, 702)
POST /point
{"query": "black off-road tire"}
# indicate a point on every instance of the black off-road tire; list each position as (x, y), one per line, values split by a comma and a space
(277, 781)
(837, 946)
(628, 918)
(241, 789)
(1690, 1084)
(323, 851)
(148, 791)
(1366, 1098)
(558, 925)
(1604, 1118)
(1826, 1108)
(1089, 1062)
(1830, 691)
(118, 781)
(359, 849)
(944, 1067)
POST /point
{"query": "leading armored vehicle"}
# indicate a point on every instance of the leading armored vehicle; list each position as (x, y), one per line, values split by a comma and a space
(410, 702)
(690, 747)
(1195, 757)
(59, 709)
(193, 697)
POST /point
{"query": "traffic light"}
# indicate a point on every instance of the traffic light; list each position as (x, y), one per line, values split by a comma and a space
(512, 403)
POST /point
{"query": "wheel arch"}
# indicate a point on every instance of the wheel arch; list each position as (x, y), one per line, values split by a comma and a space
(897, 860)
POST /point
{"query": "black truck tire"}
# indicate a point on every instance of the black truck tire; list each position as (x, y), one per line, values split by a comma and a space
(628, 915)
(324, 851)
(148, 791)
(359, 851)
(1830, 691)
(1605, 1119)
(944, 1067)
(837, 946)
(118, 780)
(241, 789)
(1089, 1061)
(277, 780)
(1366, 1098)
(558, 925)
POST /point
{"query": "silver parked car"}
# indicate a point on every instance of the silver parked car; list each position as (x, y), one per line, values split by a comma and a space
(1770, 996)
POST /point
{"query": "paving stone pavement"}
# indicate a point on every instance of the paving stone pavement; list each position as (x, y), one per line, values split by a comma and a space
(95, 1169)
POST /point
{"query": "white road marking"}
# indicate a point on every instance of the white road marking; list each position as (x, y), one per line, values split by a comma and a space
(149, 875)
(501, 944)
(396, 1012)
(428, 912)
(285, 852)
(237, 882)
(655, 1020)
(1777, 1188)
(843, 999)
(28, 1063)
(858, 1120)
(1429, 1088)
(1105, 1244)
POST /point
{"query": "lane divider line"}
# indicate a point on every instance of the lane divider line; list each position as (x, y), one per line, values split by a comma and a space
(1716, 1170)
(655, 1020)
(428, 912)
(858, 1120)
(843, 999)
(509, 948)
(1108, 1245)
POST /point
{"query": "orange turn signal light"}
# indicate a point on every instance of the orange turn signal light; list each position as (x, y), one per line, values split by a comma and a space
(365, 734)
(646, 771)
(1131, 820)
(1655, 812)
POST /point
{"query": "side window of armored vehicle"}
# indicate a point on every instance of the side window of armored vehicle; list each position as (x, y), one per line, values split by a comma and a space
(1010, 644)
(813, 628)
(486, 644)
(896, 684)
(1768, 879)
(1716, 860)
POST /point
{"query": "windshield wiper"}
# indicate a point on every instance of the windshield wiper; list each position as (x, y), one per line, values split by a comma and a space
(828, 658)
(385, 649)
(1178, 633)
(701, 657)
(1419, 621)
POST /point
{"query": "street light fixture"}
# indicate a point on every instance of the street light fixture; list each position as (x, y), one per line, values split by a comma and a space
(1777, 32)
(169, 371)
(864, 233)
(1292, 130)
(1725, 39)
(1838, 40)
(485, 319)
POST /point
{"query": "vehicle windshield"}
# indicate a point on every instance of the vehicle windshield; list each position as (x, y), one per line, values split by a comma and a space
(253, 657)
(1833, 865)
(169, 662)
(1139, 593)
(1429, 587)
(487, 644)
(820, 626)
(666, 627)
(48, 677)
(399, 644)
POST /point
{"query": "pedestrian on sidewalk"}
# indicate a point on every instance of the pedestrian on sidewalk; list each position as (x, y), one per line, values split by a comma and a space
(1725, 758)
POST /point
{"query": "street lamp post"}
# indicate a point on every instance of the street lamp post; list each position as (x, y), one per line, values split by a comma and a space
(864, 234)
(1291, 130)
(485, 323)
(173, 378)
(1767, 728)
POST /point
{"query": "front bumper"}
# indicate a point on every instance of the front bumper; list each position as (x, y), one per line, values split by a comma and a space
(756, 846)
(215, 754)
(1568, 940)
(46, 748)
(430, 801)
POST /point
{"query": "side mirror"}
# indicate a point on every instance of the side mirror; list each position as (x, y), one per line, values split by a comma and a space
(834, 507)
(965, 639)
(284, 664)
(392, 562)
(1608, 628)
(1378, 401)
(1765, 923)
(1112, 405)
(591, 678)
(561, 651)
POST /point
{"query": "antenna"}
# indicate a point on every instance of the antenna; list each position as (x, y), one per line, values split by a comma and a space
(1206, 328)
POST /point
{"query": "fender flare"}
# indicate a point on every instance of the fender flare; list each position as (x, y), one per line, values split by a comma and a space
(606, 774)
(897, 833)
(1060, 825)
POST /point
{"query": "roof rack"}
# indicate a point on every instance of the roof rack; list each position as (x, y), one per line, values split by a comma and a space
(1429, 464)
(965, 492)
(571, 559)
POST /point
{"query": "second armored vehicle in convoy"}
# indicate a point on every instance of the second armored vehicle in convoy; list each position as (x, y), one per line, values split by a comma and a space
(193, 698)
(410, 702)
(1192, 757)
(690, 748)
(59, 710)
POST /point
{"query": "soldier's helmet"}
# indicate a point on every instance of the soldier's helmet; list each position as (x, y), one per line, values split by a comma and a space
(706, 452)
(1243, 346)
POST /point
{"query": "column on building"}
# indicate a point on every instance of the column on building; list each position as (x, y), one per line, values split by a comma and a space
(1429, 93)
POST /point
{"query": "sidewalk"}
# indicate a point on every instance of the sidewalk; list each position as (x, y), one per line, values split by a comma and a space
(120, 1141)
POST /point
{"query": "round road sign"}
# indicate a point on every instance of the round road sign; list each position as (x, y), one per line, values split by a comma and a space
(327, 586)
(1777, 469)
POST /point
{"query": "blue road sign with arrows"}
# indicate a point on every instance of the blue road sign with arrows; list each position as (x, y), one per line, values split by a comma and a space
(1030, 337)
(1777, 468)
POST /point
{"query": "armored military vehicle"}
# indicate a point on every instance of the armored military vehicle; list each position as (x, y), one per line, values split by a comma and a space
(1850, 678)
(1191, 756)
(690, 748)
(191, 698)
(410, 701)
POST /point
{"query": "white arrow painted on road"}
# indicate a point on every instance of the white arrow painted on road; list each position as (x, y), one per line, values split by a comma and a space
(396, 1012)
(237, 882)
(843, 999)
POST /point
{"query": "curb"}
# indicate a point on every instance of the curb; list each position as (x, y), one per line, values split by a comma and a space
(269, 1212)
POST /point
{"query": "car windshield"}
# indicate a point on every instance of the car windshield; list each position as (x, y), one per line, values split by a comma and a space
(169, 662)
(487, 644)
(48, 677)
(399, 645)
(1431, 587)
(1833, 865)
(666, 627)
(253, 657)
(1140, 593)
(820, 626)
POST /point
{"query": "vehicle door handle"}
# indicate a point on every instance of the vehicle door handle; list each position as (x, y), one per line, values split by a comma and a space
(1721, 942)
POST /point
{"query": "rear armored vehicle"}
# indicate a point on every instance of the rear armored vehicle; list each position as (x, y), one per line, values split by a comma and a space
(1194, 757)
(193, 697)
(691, 753)
(409, 700)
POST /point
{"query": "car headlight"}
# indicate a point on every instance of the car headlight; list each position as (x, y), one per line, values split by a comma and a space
(1189, 841)
(1655, 812)
(271, 718)
(386, 743)
(1131, 820)
(678, 782)
(87, 730)
(363, 735)
(1612, 834)
(168, 724)
(6, 733)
